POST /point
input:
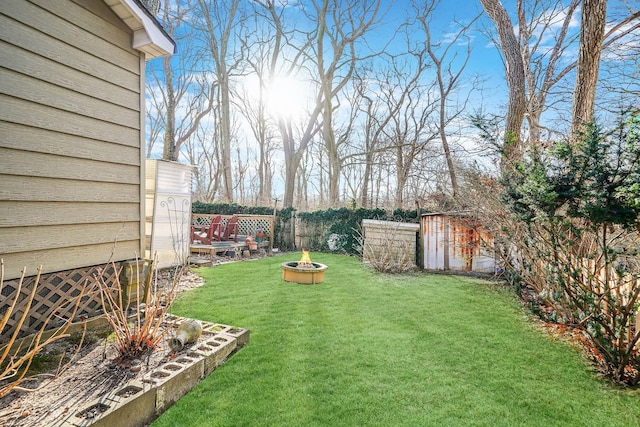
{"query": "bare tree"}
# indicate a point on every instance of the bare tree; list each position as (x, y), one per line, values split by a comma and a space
(371, 93)
(154, 112)
(263, 49)
(372, 128)
(263, 132)
(293, 151)
(447, 77)
(546, 65)
(544, 20)
(329, 49)
(340, 25)
(407, 93)
(203, 152)
(180, 83)
(219, 26)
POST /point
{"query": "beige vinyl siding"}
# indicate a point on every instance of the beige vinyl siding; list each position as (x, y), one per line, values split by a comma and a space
(67, 258)
(80, 34)
(28, 113)
(19, 136)
(34, 65)
(31, 214)
(21, 188)
(41, 44)
(18, 239)
(34, 164)
(31, 89)
(70, 137)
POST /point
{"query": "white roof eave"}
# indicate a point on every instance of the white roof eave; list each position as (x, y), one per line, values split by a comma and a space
(147, 36)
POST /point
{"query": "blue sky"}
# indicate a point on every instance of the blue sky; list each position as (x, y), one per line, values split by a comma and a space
(485, 61)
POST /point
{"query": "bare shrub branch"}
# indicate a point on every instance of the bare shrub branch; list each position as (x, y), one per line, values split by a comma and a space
(14, 360)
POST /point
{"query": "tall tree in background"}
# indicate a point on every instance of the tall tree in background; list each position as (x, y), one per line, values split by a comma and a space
(294, 142)
(179, 84)
(411, 102)
(514, 71)
(262, 50)
(374, 121)
(340, 26)
(329, 46)
(545, 42)
(218, 25)
(542, 22)
(202, 151)
(448, 77)
(594, 18)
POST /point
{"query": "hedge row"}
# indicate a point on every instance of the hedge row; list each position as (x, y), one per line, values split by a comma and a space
(338, 229)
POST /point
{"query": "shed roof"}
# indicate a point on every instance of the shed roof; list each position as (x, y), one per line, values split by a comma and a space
(449, 213)
(391, 224)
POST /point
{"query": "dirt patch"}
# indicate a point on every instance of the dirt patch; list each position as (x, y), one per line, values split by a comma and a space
(92, 373)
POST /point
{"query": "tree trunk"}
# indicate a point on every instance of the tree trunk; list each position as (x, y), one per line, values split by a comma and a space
(225, 137)
(594, 13)
(515, 80)
(170, 151)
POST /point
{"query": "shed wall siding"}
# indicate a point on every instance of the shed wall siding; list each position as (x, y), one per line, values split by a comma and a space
(388, 239)
(70, 132)
(456, 244)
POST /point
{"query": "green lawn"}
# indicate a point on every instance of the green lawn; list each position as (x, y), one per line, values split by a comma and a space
(365, 349)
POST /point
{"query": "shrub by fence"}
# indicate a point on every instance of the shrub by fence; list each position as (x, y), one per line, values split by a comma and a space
(571, 234)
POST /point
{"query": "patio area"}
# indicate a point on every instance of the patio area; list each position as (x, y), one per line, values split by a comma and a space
(230, 235)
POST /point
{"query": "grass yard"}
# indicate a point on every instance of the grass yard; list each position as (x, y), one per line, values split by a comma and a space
(365, 349)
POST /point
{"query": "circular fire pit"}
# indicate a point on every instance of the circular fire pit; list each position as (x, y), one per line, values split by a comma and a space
(307, 273)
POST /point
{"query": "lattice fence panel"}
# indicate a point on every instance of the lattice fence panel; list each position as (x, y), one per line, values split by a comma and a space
(248, 225)
(201, 219)
(54, 299)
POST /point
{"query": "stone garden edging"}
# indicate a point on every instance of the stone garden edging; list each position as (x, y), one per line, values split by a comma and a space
(140, 401)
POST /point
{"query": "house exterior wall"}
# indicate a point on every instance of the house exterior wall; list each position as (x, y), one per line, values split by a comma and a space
(70, 136)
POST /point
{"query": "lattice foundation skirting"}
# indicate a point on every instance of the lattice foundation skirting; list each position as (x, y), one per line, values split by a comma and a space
(55, 298)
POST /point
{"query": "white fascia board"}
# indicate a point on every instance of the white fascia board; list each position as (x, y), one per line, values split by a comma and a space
(147, 36)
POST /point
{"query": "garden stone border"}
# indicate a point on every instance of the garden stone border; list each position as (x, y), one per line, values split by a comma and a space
(140, 401)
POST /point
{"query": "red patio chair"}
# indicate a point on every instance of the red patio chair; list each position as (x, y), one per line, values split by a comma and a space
(209, 235)
(230, 232)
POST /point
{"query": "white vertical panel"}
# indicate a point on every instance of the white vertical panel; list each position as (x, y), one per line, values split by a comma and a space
(171, 218)
(434, 251)
(174, 178)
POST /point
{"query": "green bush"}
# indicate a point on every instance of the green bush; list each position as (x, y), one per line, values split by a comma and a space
(229, 209)
(577, 207)
(341, 228)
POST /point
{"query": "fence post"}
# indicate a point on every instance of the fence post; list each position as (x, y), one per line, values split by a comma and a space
(420, 239)
(292, 230)
(272, 234)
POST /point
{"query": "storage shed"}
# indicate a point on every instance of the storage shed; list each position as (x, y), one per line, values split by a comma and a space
(456, 241)
(395, 240)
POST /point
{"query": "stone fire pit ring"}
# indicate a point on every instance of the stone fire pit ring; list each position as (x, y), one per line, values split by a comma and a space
(306, 274)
